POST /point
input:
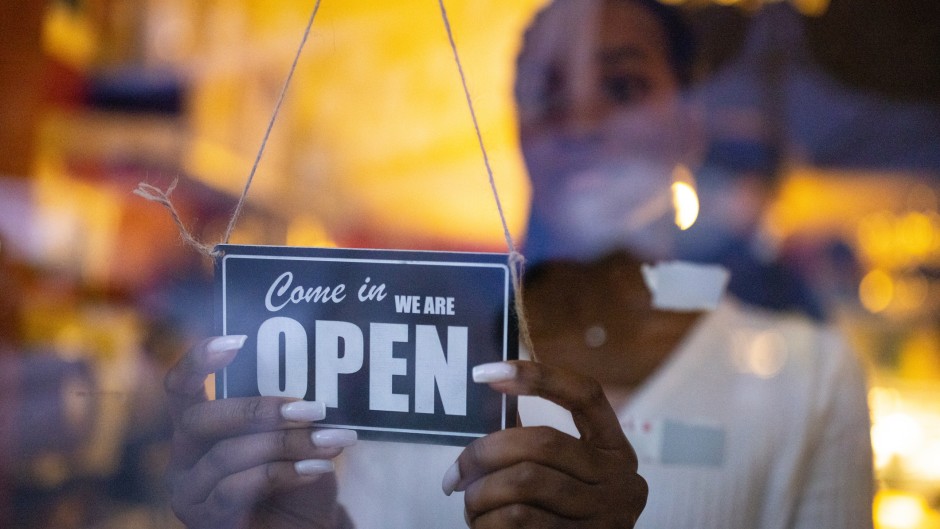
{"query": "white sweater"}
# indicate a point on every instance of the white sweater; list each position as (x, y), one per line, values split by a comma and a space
(757, 422)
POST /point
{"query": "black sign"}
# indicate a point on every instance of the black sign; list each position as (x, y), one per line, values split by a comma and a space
(387, 339)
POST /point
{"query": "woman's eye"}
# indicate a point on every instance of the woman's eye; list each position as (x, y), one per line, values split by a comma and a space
(626, 89)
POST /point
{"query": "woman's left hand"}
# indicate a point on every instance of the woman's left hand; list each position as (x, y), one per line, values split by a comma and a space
(541, 477)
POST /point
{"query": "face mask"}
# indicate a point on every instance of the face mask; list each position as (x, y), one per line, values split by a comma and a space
(622, 205)
(605, 189)
(627, 205)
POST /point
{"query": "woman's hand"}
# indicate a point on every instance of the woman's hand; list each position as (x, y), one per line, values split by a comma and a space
(248, 462)
(540, 477)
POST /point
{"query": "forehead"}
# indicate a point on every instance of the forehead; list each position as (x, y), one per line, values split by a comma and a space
(630, 33)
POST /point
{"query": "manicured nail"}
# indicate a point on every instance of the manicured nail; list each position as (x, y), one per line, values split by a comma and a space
(334, 438)
(304, 410)
(451, 479)
(224, 344)
(494, 372)
(312, 467)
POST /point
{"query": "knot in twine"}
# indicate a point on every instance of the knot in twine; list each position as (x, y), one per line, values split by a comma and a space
(155, 194)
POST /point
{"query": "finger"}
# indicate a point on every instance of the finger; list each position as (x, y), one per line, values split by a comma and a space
(540, 445)
(185, 382)
(238, 493)
(534, 485)
(232, 456)
(520, 515)
(219, 419)
(187, 377)
(203, 424)
(581, 395)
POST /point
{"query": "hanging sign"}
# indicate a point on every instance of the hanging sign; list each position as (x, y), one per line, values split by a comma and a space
(387, 339)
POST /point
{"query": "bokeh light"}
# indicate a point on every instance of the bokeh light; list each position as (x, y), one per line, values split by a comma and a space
(876, 291)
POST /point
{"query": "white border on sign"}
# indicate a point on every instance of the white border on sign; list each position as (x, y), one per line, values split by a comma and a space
(504, 267)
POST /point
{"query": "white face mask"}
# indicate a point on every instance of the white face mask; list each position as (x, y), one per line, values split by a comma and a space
(606, 189)
(622, 205)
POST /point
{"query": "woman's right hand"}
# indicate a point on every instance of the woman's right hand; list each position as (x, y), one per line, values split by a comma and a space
(253, 462)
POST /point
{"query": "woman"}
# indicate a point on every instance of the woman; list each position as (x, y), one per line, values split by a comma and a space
(602, 127)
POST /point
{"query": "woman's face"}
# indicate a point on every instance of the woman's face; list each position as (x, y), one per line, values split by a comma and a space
(610, 75)
(601, 154)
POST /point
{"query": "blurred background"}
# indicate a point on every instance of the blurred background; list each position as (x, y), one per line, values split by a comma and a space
(375, 148)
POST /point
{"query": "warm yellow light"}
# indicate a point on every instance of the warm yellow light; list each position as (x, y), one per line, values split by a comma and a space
(911, 293)
(69, 36)
(307, 231)
(875, 236)
(915, 234)
(876, 291)
(684, 197)
(216, 164)
(375, 130)
(898, 510)
(811, 8)
(895, 434)
(928, 461)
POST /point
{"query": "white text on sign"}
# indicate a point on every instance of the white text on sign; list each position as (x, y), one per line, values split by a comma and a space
(432, 305)
(385, 338)
(432, 367)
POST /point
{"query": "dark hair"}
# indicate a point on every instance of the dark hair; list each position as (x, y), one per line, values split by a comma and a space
(679, 37)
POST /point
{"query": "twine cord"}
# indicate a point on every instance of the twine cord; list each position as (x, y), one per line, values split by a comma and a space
(161, 197)
(516, 259)
(267, 133)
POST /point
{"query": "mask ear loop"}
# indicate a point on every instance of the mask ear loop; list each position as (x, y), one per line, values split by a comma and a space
(516, 261)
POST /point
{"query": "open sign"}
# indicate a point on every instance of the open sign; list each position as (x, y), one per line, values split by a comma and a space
(386, 339)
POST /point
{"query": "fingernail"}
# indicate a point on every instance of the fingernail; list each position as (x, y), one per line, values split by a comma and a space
(312, 467)
(494, 372)
(451, 478)
(334, 438)
(304, 410)
(224, 344)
